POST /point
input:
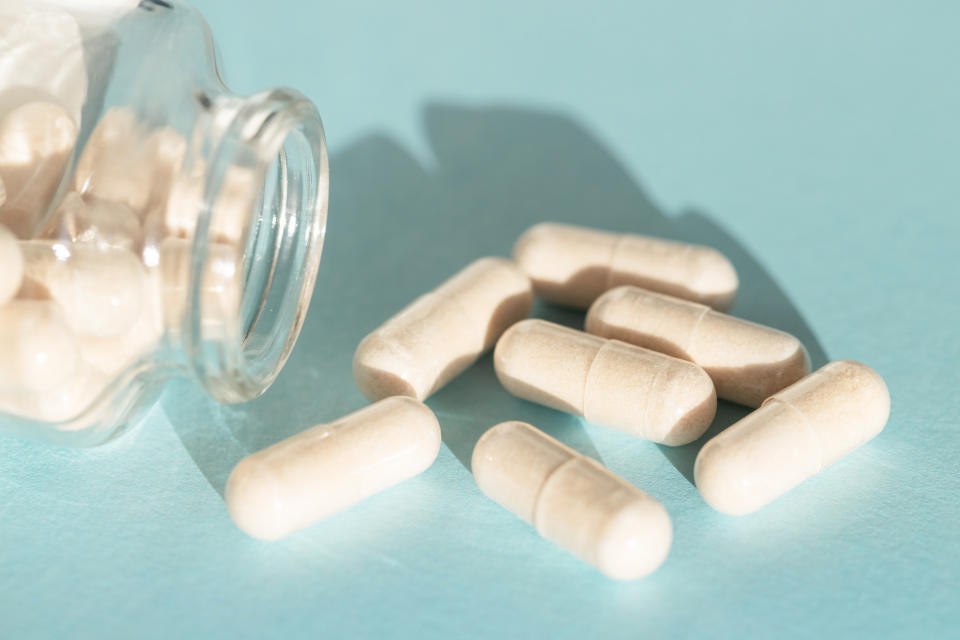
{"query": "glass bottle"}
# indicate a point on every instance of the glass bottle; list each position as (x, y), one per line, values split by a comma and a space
(152, 224)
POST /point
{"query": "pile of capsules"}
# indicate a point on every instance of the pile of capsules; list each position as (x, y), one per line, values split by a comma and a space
(656, 353)
(92, 289)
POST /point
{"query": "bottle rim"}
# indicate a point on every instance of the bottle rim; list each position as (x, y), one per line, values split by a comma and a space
(277, 136)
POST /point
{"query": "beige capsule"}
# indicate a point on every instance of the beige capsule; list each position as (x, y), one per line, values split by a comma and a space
(37, 350)
(100, 223)
(59, 404)
(117, 163)
(329, 468)
(572, 266)
(99, 290)
(167, 149)
(795, 434)
(748, 362)
(232, 210)
(11, 265)
(611, 383)
(221, 286)
(572, 500)
(36, 142)
(43, 55)
(112, 355)
(440, 334)
(3, 192)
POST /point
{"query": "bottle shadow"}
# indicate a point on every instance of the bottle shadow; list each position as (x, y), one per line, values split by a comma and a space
(398, 228)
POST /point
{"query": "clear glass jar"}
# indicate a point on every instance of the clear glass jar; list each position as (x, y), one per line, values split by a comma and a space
(153, 225)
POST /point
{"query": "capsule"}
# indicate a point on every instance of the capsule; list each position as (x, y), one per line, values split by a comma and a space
(60, 404)
(116, 163)
(748, 362)
(99, 223)
(572, 266)
(44, 53)
(168, 149)
(100, 291)
(328, 468)
(37, 350)
(11, 265)
(3, 192)
(36, 142)
(795, 434)
(573, 501)
(221, 286)
(608, 382)
(441, 333)
(232, 210)
(111, 355)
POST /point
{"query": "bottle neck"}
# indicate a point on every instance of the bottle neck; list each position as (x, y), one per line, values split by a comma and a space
(258, 238)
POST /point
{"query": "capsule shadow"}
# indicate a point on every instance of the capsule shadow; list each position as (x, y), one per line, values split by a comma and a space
(398, 229)
(476, 401)
(684, 456)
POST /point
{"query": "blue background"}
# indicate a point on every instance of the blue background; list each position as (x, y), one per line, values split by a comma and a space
(815, 143)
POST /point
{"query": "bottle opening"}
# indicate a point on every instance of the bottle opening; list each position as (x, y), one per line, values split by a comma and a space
(271, 163)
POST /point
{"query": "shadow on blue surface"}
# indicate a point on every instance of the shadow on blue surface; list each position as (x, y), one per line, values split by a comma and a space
(397, 229)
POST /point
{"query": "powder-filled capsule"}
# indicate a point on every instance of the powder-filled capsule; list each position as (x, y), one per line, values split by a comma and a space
(37, 350)
(328, 468)
(221, 285)
(11, 265)
(608, 382)
(795, 434)
(36, 141)
(443, 332)
(748, 362)
(113, 354)
(97, 223)
(230, 215)
(117, 162)
(61, 403)
(101, 291)
(572, 500)
(572, 266)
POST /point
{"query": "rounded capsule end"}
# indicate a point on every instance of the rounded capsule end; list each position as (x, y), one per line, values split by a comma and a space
(717, 475)
(255, 502)
(717, 280)
(376, 367)
(636, 542)
(694, 411)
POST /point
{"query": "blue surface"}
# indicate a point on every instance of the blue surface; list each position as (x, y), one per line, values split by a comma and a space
(814, 143)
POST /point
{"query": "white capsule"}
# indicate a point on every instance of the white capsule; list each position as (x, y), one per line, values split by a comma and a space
(572, 266)
(111, 355)
(37, 349)
(11, 265)
(168, 149)
(100, 291)
(232, 210)
(572, 500)
(42, 56)
(61, 403)
(328, 468)
(748, 362)
(440, 334)
(117, 163)
(221, 288)
(100, 223)
(611, 383)
(36, 141)
(795, 434)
